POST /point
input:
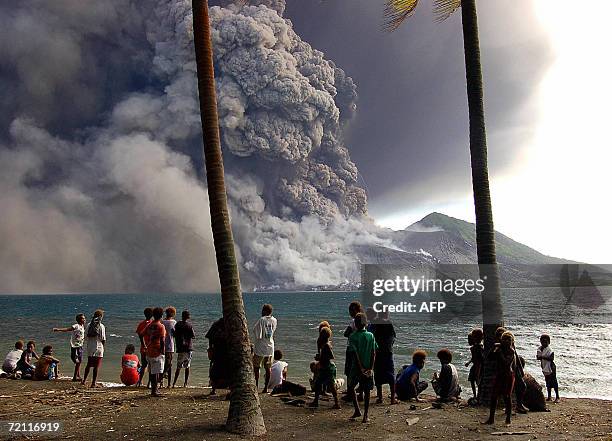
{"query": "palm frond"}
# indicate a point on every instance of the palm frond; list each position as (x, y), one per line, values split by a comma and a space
(444, 8)
(396, 11)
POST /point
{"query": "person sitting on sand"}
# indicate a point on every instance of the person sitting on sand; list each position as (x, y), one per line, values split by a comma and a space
(26, 363)
(156, 346)
(278, 378)
(384, 368)
(504, 357)
(130, 366)
(76, 344)
(96, 341)
(46, 366)
(363, 347)
(325, 376)
(549, 369)
(12, 358)
(140, 332)
(263, 347)
(446, 383)
(534, 397)
(408, 386)
(169, 323)
(184, 335)
(476, 360)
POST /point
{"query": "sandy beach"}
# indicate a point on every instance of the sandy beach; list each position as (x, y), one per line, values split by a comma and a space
(191, 414)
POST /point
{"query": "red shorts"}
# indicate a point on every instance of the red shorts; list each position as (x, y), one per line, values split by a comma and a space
(94, 362)
(129, 377)
(504, 384)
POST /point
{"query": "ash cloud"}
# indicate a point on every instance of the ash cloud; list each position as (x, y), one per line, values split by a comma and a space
(113, 200)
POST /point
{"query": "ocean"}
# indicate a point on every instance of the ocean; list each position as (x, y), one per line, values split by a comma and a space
(581, 337)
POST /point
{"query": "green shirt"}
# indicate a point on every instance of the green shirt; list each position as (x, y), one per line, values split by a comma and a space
(363, 344)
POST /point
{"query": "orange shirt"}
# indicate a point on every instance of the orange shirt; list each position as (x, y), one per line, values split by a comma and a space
(140, 331)
(155, 335)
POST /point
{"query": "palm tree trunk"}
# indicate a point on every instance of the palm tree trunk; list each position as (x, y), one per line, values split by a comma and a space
(492, 313)
(244, 415)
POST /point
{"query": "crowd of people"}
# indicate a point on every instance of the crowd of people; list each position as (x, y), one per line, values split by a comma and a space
(369, 361)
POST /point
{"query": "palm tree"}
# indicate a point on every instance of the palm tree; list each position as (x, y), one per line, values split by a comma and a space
(244, 415)
(396, 12)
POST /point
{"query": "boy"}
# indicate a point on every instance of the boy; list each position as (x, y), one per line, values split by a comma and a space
(155, 341)
(446, 384)
(549, 369)
(263, 350)
(183, 333)
(96, 341)
(129, 366)
(278, 370)
(363, 348)
(504, 356)
(384, 368)
(169, 323)
(25, 363)
(46, 366)
(325, 370)
(140, 332)
(76, 344)
(407, 384)
(12, 358)
(477, 359)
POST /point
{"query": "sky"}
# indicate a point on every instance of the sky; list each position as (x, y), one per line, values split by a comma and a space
(547, 98)
(100, 150)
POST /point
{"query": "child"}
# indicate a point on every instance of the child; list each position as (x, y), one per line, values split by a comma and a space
(446, 384)
(96, 341)
(353, 309)
(183, 333)
(155, 341)
(325, 370)
(169, 324)
(384, 368)
(407, 384)
(504, 357)
(25, 363)
(76, 344)
(549, 369)
(46, 366)
(129, 366)
(477, 359)
(363, 348)
(278, 377)
(140, 332)
(12, 358)
(263, 350)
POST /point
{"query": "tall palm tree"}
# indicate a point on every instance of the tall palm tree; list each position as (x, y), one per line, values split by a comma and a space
(244, 415)
(396, 12)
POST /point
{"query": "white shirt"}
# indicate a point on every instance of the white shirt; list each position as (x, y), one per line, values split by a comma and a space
(276, 373)
(546, 364)
(95, 348)
(263, 333)
(10, 362)
(169, 341)
(78, 336)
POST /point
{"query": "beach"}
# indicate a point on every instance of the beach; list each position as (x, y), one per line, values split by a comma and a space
(190, 414)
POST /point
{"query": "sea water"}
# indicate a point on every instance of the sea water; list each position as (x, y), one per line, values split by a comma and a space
(581, 338)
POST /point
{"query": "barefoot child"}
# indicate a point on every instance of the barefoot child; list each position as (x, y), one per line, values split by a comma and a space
(363, 348)
(140, 332)
(325, 375)
(408, 385)
(263, 335)
(184, 335)
(505, 367)
(12, 358)
(169, 323)
(26, 362)
(446, 383)
(76, 344)
(384, 368)
(46, 366)
(549, 369)
(129, 366)
(155, 340)
(96, 341)
(477, 359)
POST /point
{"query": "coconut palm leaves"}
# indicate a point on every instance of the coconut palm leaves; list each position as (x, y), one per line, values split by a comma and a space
(396, 11)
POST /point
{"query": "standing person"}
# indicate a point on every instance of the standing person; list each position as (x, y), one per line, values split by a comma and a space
(263, 332)
(325, 375)
(46, 366)
(363, 346)
(12, 358)
(129, 366)
(353, 309)
(96, 340)
(217, 354)
(156, 346)
(446, 383)
(477, 360)
(505, 368)
(549, 369)
(77, 338)
(169, 323)
(384, 368)
(183, 334)
(140, 332)
(25, 363)
(408, 385)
